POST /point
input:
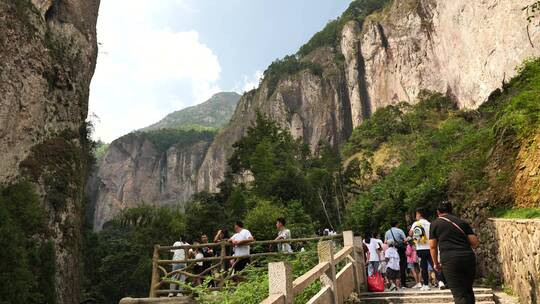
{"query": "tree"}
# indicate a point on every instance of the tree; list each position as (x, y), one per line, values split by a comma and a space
(118, 259)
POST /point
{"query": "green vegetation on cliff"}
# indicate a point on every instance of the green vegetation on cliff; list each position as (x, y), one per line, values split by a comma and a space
(213, 113)
(27, 268)
(329, 36)
(442, 152)
(163, 139)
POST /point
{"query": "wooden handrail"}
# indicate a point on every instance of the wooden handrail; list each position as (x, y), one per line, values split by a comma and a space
(221, 258)
(343, 253)
(351, 277)
(267, 242)
(309, 277)
(274, 299)
(254, 255)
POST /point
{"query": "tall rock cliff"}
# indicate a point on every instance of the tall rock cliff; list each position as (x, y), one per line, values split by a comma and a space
(48, 51)
(134, 171)
(159, 164)
(465, 49)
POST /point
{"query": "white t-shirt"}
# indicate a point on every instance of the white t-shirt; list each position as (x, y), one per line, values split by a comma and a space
(243, 235)
(199, 255)
(422, 243)
(393, 258)
(373, 245)
(286, 235)
(179, 254)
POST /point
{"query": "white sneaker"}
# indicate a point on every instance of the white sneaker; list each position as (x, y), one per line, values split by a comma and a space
(425, 288)
(441, 285)
(392, 287)
(418, 285)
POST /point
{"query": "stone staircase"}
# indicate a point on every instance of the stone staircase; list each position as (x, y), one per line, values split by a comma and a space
(483, 296)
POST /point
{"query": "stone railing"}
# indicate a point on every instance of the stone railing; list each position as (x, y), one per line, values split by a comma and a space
(510, 251)
(337, 287)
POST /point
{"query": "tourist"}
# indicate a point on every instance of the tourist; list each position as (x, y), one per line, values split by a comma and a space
(455, 239)
(240, 241)
(206, 252)
(383, 265)
(420, 232)
(222, 235)
(393, 266)
(283, 234)
(375, 249)
(398, 236)
(178, 255)
(412, 262)
(198, 267)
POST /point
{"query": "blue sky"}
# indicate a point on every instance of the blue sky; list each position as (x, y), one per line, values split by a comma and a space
(159, 56)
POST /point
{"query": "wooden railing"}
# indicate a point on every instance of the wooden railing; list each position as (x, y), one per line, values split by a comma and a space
(161, 275)
(337, 287)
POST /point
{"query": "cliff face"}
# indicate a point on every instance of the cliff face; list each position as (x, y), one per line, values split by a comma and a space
(47, 57)
(134, 171)
(465, 49)
(158, 164)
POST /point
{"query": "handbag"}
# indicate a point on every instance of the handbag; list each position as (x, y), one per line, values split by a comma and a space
(399, 246)
(376, 282)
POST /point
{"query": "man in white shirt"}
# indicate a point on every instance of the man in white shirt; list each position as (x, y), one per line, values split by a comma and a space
(240, 241)
(283, 234)
(420, 233)
(178, 255)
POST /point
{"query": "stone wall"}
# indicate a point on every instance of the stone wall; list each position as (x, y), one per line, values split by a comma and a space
(510, 250)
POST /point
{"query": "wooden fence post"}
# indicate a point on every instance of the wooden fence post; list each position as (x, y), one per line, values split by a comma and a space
(155, 274)
(325, 250)
(362, 279)
(222, 261)
(348, 240)
(280, 280)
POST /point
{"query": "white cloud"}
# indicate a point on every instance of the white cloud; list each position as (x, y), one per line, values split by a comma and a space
(145, 68)
(249, 82)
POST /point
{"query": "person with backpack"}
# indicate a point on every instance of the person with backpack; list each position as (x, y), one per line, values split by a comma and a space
(420, 233)
(398, 237)
(455, 240)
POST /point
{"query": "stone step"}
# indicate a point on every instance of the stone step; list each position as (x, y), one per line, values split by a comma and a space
(425, 298)
(413, 292)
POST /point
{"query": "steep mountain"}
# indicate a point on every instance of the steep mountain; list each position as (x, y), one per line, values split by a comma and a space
(377, 55)
(48, 52)
(213, 113)
(158, 164)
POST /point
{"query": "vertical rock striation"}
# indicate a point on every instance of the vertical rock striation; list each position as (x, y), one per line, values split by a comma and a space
(134, 171)
(465, 49)
(48, 52)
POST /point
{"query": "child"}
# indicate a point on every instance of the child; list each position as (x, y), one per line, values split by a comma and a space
(412, 262)
(392, 272)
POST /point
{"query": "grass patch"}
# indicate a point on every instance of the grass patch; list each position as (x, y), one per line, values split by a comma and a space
(517, 213)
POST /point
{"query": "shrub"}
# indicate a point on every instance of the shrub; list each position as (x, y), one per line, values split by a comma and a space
(27, 267)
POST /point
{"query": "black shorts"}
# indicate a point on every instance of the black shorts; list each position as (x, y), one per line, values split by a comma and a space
(392, 274)
(240, 264)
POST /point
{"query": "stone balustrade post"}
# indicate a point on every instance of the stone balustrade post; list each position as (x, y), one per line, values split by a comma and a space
(361, 270)
(349, 240)
(325, 250)
(280, 280)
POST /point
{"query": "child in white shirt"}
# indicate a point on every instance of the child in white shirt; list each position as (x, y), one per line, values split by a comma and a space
(392, 272)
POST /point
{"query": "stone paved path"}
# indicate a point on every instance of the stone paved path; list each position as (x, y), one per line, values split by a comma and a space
(483, 296)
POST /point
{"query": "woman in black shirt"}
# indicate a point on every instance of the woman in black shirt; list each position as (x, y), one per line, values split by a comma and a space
(455, 240)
